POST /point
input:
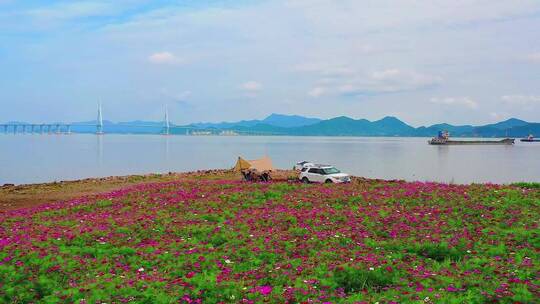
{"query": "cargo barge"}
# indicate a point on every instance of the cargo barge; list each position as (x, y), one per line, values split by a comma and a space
(444, 139)
(530, 138)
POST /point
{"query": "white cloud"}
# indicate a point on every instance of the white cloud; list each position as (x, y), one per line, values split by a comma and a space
(497, 116)
(251, 86)
(343, 79)
(324, 69)
(455, 101)
(523, 100)
(382, 14)
(339, 48)
(406, 79)
(164, 58)
(317, 92)
(377, 82)
(183, 95)
(534, 57)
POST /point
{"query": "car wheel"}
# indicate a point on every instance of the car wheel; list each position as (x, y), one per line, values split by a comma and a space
(305, 180)
(328, 181)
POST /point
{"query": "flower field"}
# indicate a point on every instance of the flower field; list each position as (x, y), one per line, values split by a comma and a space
(225, 241)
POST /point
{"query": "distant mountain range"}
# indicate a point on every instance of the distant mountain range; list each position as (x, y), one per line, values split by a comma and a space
(387, 126)
(274, 120)
(278, 124)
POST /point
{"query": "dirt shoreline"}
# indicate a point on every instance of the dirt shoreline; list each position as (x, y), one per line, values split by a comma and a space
(29, 195)
(14, 197)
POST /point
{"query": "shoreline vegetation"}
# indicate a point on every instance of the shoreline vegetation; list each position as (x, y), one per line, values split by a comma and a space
(29, 195)
(208, 237)
(14, 196)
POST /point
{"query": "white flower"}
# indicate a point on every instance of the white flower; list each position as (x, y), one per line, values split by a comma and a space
(371, 268)
(228, 261)
(141, 269)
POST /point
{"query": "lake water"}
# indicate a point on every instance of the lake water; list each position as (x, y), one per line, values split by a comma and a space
(45, 158)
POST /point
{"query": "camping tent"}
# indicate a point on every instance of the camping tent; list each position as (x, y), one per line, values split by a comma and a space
(262, 164)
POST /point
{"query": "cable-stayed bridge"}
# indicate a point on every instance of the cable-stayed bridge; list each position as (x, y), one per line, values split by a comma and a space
(99, 128)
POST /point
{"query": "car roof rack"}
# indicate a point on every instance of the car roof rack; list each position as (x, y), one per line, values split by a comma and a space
(322, 165)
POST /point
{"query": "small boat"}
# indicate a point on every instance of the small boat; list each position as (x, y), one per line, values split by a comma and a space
(530, 138)
(444, 139)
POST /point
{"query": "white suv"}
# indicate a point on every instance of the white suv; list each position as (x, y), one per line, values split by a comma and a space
(323, 174)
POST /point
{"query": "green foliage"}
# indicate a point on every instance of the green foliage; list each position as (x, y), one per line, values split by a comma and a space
(223, 242)
(437, 251)
(527, 185)
(355, 279)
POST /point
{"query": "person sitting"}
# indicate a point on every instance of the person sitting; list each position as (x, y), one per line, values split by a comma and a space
(246, 174)
(265, 177)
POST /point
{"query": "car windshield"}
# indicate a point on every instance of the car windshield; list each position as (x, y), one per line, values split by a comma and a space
(331, 170)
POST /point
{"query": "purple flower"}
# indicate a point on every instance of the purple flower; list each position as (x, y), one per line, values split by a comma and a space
(265, 290)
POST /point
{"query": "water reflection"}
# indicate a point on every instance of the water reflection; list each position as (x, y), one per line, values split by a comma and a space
(166, 140)
(28, 159)
(99, 148)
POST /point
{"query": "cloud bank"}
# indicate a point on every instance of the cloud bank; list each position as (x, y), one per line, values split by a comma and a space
(322, 58)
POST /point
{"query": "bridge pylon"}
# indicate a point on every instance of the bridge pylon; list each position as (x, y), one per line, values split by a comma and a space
(99, 124)
(167, 127)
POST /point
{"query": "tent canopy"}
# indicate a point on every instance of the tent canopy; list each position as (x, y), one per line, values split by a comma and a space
(261, 164)
(241, 164)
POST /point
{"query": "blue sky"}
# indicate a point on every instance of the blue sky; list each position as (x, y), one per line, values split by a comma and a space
(470, 61)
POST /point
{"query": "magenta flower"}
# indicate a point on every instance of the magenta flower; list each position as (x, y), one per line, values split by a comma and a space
(371, 240)
(264, 290)
(451, 288)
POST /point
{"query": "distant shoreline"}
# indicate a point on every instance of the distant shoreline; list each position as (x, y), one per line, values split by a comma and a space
(29, 195)
(287, 125)
(244, 135)
(14, 197)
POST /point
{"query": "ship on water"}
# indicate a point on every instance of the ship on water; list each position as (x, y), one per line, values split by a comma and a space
(530, 138)
(443, 138)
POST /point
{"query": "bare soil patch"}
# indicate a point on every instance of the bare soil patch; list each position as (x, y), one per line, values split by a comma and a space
(23, 196)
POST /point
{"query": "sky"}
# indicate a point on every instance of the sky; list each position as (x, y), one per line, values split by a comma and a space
(425, 62)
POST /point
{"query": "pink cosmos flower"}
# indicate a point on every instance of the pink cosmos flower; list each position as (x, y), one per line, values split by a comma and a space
(264, 290)
(451, 288)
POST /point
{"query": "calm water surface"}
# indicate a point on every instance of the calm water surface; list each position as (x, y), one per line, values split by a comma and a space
(44, 158)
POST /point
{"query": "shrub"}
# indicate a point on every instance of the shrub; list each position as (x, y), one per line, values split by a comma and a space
(437, 251)
(527, 185)
(355, 279)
